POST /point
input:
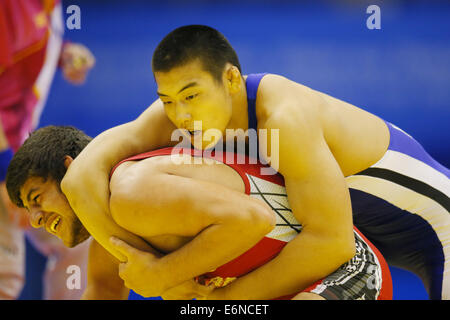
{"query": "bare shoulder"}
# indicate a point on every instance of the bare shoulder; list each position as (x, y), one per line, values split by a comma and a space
(283, 103)
(130, 173)
(276, 89)
(133, 183)
(292, 110)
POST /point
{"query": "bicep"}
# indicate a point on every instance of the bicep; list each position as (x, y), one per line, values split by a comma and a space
(318, 193)
(149, 131)
(316, 188)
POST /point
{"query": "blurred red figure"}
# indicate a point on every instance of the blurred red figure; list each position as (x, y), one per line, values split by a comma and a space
(31, 50)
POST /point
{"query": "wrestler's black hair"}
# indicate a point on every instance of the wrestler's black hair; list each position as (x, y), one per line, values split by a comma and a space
(42, 155)
(187, 43)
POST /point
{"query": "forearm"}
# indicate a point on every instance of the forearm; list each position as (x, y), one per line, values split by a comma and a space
(106, 150)
(91, 168)
(86, 184)
(213, 247)
(222, 222)
(90, 171)
(115, 144)
(302, 262)
(102, 227)
(151, 130)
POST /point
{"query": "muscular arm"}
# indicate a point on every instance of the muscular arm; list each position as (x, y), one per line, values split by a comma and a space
(103, 282)
(319, 199)
(86, 183)
(224, 223)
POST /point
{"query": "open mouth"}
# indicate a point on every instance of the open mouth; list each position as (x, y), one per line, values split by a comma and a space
(54, 224)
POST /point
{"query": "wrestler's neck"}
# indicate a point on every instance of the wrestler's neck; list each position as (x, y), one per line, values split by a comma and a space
(239, 116)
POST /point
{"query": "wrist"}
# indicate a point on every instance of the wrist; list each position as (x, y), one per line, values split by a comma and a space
(167, 278)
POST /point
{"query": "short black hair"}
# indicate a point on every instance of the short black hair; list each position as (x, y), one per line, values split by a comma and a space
(42, 155)
(187, 43)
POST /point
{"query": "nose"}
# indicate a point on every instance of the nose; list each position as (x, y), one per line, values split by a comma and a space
(37, 219)
(182, 113)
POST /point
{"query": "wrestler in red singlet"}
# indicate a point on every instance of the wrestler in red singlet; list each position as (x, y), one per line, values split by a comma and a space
(366, 276)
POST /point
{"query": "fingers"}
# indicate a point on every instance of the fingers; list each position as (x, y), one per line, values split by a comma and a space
(77, 61)
(201, 291)
(122, 268)
(75, 77)
(204, 291)
(79, 55)
(123, 247)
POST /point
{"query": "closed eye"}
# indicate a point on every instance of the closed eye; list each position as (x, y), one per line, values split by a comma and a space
(36, 198)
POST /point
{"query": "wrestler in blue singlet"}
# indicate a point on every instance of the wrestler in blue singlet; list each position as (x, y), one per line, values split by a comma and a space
(401, 204)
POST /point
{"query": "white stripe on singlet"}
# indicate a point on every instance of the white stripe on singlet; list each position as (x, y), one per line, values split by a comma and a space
(413, 168)
(276, 197)
(286, 225)
(406, 199)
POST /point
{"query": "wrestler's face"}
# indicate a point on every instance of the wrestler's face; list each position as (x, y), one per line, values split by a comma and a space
(191, 94)
(49, 208)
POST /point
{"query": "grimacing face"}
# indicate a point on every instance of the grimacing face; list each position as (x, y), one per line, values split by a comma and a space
(189, 93)
(49, 208)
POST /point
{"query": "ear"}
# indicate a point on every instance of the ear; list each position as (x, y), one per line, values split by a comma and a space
(233, 78)
(67, 161)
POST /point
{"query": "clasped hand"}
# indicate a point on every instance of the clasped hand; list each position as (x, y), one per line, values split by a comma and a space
(143, 275)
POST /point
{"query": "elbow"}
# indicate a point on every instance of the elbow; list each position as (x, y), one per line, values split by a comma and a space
(74, 183)
(262, 218)
(66, 184)
(270, 220)
(71, 188)
(344, 250)
(348, 246)
(350, 250)
(253, 221)
(338, 248)
(116, 208)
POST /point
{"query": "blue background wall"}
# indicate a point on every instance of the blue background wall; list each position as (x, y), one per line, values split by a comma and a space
(400, 72)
